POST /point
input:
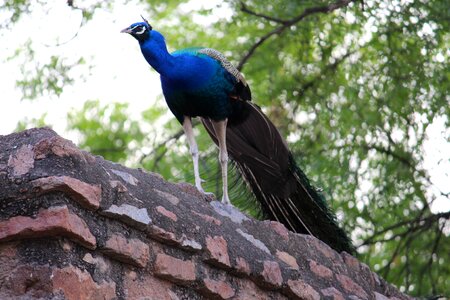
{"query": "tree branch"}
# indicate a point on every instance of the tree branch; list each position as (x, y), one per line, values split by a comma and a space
(173, 137)
(407, 162)
(330, 68)
(246, 10)
(286, 24)
(415, 225)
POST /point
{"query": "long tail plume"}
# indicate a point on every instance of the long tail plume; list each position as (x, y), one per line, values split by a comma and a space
(281, 188)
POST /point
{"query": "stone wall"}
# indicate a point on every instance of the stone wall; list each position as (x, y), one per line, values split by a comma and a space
(74, 226)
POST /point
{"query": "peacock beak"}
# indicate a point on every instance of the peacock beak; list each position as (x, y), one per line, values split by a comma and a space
(126, 30)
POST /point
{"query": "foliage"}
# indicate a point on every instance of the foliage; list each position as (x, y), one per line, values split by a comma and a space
(31, 122)
(354, 90)
(46, 79)
(106, 130)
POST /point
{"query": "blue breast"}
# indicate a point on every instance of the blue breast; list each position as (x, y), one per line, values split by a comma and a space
(198, 86)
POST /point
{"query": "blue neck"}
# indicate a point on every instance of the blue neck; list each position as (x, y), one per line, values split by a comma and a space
(155, 52)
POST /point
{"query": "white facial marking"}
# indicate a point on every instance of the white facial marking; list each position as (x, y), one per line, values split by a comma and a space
(141, 31)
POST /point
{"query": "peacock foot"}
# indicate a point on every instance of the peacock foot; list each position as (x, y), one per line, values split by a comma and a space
(226, 200)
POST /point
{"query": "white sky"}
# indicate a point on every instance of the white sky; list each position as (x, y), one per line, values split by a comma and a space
(120, 74)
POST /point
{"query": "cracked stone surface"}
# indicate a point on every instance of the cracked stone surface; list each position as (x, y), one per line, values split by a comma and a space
(73, 225)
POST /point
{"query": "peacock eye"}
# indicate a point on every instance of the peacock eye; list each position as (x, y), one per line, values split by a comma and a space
(140, 30)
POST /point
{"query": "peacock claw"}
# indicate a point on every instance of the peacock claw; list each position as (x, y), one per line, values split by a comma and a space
(226, 201)
(201, 190)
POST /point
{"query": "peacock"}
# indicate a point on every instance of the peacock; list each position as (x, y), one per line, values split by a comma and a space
(201, 82)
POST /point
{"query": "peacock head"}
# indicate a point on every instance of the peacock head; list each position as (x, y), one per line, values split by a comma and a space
(140, 30)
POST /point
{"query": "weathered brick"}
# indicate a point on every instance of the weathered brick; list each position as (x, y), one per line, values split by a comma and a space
(21, 161)
(247, 290)
(254, 241)
(162, 235)
(87, 195)
(9, 262)
(132, 251)
(174, 269)
(166, 196)
(279, 228)
(323, 248)
(146, 286)
(288, 259)
(189, 244)
(169, 238)
(78, 284)
(242, 266)
(167, 213)
(55, 221)
(351, 287)
(298, 289)
(129, 214)
(320, 270)
(351, 261)
(60, 147)
(125, 176)
(193, 191)
(32, 280)
(217, 248)
(272, 274)
(332, 292)
(208, 218)
(217, 289)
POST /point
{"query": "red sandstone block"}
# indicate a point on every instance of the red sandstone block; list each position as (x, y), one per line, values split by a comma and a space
(332, 292)
(169, 197)
(280, 229)
(193, 191)
(60, 147)
(272, 274)
(351, 287)
(247, 290)
(174, 269)
(208, 218)
(167, 213)
(189, 244)
(323, 248)
(132, 251)
(351, 261)
(242, 266)
(288, 259)
(162, 235)
(55, 221)
(26, 281)
(78, 284)
(146, 286)
(217, 248)
(320, 270)
(88, 195)
(298, 289)
(218, 289)
(22, 161)
(170, 238)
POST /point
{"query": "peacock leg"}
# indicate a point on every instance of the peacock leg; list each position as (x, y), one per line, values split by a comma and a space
(220, 127)
(187, 126)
